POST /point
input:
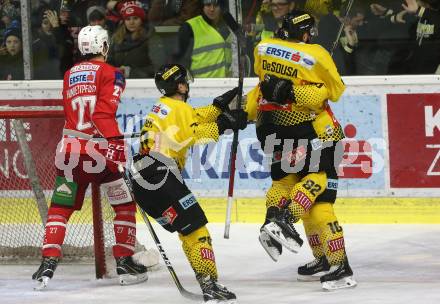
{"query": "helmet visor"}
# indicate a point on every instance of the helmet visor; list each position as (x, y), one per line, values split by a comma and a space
(313, 31)
(189, 77)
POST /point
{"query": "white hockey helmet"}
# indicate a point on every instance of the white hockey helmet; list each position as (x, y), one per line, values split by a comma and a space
(93, 39)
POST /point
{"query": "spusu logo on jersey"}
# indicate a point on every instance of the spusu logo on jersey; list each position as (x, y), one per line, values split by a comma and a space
(82, 77)
(290, 54)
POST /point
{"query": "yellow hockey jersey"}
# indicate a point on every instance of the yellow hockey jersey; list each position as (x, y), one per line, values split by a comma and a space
(315, 78)
(172, 126)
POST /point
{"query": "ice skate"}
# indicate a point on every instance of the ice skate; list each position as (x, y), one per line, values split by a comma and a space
(214, 292)
(338, 277)
(272, 247)
(45, 272)
(129, 271)
(313, 270)
(282, 230)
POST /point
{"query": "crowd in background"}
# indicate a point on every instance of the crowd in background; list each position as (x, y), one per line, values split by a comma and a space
(379, 37)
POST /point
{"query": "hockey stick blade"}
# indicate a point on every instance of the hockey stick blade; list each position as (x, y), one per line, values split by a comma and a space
(185, 293)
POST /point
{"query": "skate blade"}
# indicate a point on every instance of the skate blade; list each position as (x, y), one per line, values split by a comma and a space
(41, 285)
(234, 301)
(288, 243)
(271, 251)
(129, 279)
(347, 282)
(310, 278)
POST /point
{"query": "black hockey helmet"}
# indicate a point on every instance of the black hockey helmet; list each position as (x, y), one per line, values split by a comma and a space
(295, 24)
(169, 76)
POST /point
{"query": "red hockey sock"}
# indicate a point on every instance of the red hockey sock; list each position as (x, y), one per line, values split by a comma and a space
(125, 229)
(57, 218)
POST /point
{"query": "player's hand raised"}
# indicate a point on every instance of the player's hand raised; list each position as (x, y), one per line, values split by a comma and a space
(234, 120)
(115, 154)
(277, 90)
(222, 102)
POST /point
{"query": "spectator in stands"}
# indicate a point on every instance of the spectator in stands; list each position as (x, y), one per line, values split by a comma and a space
(320, 8)
(10, 9)
(129, 48)
(46, 52)
(78, 11)
(165, 12)
(114, 8)
(388, 39)
(11, 63)
(271, 21)
(96, 15)
(63, 37)
(9, 15)
(425, 56)
(204, 43)
(344, 53)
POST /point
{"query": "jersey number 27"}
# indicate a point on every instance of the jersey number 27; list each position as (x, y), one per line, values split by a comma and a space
(83, 105)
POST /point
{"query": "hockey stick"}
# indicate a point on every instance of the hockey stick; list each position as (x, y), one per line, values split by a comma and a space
(238, 32)
(185, 293)
(125, 136)
(341, 27)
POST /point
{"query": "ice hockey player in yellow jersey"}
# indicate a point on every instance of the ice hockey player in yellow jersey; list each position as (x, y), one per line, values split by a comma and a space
(171, 128)
(297, 128)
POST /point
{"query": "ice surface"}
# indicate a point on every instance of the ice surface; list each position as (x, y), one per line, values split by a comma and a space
(392, 264)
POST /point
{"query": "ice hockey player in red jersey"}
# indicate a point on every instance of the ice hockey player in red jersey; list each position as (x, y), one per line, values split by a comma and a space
(91, 95)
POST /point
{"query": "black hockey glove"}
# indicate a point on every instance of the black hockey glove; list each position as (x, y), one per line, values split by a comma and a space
(222, 102)
(234, 119)
(277, 90)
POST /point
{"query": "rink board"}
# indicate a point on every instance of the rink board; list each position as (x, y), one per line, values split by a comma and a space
(252, 210)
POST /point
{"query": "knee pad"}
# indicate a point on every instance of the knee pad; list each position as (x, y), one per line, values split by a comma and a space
(304, 193)
(117, 192)
(198, 249)
(278, 193)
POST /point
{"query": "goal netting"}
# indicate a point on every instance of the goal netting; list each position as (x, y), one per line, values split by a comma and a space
(28, 139)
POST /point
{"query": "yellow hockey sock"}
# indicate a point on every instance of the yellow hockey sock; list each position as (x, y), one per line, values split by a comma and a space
(313, 236)
(331, 234)
(198, 249)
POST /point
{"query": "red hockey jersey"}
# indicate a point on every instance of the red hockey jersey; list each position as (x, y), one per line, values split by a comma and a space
(91, 95)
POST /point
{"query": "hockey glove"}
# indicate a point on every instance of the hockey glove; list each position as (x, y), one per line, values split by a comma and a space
(222, 102)
(115, 154)
(234, 119)
(277, 90)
